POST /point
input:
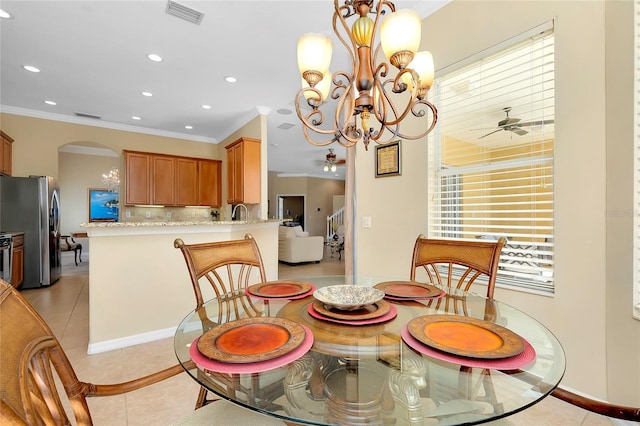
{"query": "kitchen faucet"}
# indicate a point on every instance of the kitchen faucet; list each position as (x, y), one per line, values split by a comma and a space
(246, 212)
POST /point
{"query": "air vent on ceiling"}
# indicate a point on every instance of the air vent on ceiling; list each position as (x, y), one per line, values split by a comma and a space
(184, 12)
(85, 115)
(285, 126)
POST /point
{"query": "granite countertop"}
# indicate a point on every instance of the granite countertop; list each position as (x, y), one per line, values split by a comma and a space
(176, 223)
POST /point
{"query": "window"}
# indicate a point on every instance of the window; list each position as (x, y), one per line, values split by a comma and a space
(491, 158)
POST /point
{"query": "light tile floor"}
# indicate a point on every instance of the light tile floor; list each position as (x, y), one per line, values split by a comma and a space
(64, 306)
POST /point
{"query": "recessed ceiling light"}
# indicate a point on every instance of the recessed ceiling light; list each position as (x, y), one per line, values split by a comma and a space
(155, 58)
(230, 79)
(188, 127)
(4, 14)
(147, 94)
(206, 106)
(50, 103)
(135, 117)
(30, 68)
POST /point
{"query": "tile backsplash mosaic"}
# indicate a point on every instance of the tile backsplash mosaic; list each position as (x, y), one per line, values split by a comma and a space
(183, 214)
(167, 214)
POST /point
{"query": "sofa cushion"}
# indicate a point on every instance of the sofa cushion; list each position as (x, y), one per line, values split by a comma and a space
(302, 234)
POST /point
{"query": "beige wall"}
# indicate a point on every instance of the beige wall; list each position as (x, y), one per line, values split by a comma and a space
(319, 198)
(590, 312)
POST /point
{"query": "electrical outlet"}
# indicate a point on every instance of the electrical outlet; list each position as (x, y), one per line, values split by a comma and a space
(127, 214)
(147, 214)
(168, 215)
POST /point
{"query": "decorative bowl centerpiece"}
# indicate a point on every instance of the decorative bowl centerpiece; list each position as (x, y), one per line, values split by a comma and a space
(348, 297)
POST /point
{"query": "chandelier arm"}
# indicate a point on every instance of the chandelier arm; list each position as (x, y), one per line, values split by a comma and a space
(398, 117)
(312, 141)
(351, 49)
(421, 113)
(347, 97)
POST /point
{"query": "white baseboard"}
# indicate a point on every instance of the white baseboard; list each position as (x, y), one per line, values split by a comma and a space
(123, 342)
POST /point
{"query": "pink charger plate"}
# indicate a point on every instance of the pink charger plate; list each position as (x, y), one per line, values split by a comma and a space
(297, 296)
(393, 311)
(511, 363)
(251, 367)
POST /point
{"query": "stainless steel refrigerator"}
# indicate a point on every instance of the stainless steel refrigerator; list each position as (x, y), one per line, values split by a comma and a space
(32, 205)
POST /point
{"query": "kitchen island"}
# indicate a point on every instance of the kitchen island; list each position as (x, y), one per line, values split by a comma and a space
(139, 285)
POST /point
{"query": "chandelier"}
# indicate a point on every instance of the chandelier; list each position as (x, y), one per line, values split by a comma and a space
(364, 91)
(112, 180)
(330, 162)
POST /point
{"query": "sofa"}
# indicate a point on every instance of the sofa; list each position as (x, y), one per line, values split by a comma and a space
(296, 246)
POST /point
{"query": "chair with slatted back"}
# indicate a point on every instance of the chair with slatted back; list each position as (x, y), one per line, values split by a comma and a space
(228, 268)
(33, 363)
(459, 264)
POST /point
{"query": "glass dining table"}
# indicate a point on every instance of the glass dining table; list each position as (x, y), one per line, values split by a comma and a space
(398, 363)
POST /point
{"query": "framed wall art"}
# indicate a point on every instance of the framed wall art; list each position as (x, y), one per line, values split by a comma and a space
(388, 159)
(103, 205)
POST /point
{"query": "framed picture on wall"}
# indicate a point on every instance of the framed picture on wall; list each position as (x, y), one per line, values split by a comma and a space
(103, 205)
(388, 159)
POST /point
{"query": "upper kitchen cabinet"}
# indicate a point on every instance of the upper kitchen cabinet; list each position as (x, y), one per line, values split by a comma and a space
(243, 171)
(5, 154)
(210, 183)
(167, 180)
(163, 180)
(137, 167)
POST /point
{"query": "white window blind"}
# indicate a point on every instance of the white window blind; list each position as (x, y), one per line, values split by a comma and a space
(636, 139)
(491, 159)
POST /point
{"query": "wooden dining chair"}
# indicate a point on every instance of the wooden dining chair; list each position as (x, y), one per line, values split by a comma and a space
(33, 364)
(459, 264)
(226, 267)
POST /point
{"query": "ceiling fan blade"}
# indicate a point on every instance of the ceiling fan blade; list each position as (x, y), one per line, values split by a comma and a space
(340, 161)
(536, 123)
(518, 131)
(490, 133)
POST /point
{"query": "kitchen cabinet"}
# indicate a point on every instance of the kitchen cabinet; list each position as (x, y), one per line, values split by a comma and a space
(243, 171)
(137, 178)
(210, 183)
(6, 154)
(17, 259)
(186, 182)
(163, 178)
(167, 180)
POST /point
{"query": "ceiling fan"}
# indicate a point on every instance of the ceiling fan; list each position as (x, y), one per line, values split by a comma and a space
(331, 162)
(514, 125)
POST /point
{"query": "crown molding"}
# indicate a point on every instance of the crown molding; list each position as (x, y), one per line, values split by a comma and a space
(102, 124)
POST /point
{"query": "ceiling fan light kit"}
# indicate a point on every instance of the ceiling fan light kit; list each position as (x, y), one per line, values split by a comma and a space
(364, 91)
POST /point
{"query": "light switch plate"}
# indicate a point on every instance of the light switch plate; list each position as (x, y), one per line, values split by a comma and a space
(366, 221)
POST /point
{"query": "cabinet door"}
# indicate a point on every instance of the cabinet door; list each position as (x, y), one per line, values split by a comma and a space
(5, 154)
(209, 183)
(251, 171)
(137, 178)
(164, 180)
(232, 196)
(17, 271)
(186, 182)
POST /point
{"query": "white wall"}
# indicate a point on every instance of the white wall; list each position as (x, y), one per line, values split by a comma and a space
(592, 303)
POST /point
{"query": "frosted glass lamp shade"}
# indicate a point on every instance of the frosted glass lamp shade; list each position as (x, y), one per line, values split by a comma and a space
(400, 32)
(422, 64)
(314, 53)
